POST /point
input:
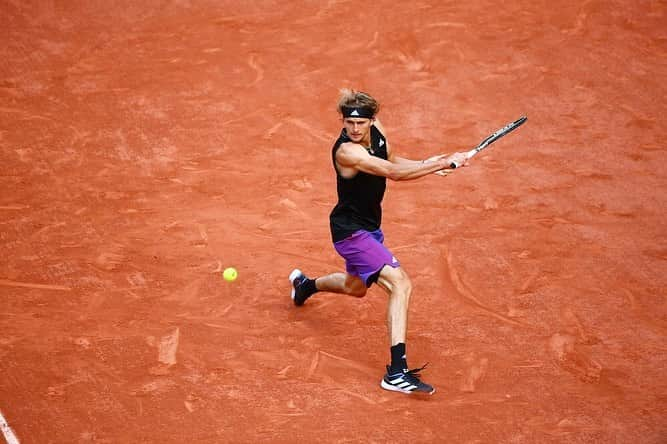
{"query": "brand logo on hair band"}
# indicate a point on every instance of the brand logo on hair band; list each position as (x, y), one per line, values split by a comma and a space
(357, 111)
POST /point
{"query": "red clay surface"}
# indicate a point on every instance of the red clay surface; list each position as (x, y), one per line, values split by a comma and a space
(145, 148)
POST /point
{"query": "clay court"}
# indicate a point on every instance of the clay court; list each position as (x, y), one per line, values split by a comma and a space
(146, 146)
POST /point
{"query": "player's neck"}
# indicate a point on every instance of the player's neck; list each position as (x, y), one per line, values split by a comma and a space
(365, 142)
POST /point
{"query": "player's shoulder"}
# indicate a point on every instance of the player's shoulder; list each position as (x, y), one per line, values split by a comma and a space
(378, 126)
(350, 153)
(349, 147)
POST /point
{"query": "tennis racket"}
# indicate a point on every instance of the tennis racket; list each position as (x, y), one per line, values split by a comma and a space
(493, 137)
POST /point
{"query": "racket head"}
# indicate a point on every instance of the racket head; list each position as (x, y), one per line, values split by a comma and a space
(500, 133)
(495, 136)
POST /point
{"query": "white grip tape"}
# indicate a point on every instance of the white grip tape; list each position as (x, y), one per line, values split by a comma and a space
(7, 431)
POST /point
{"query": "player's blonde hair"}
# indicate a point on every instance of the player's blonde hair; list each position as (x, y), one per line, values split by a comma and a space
(350, 98)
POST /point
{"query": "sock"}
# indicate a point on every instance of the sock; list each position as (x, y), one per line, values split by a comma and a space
(398, 359)
(309, 287)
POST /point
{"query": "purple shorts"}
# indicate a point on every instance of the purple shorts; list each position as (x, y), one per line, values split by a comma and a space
(365, 254)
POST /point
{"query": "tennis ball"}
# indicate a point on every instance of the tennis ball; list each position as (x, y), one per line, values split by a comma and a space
(230, 274)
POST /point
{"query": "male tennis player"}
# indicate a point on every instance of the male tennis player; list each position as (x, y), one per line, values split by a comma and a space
(363, 161)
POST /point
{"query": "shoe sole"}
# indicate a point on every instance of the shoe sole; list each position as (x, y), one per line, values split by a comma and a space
(293, 275)
(393, 388)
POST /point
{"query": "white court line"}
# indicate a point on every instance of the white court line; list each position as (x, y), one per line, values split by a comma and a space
(7, 431)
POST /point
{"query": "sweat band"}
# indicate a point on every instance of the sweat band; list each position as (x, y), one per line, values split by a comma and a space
(357, 111)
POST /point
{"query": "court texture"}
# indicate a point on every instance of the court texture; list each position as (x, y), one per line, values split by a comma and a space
(147, 146)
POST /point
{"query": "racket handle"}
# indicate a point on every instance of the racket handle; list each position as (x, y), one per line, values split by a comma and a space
(469, 154)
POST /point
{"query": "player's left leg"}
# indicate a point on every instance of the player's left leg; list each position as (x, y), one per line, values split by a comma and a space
(398, 286)
(399, 378)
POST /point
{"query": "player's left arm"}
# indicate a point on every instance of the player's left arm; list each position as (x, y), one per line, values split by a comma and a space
(392, 157)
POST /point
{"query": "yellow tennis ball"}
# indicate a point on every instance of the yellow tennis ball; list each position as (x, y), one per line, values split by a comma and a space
(230, 274)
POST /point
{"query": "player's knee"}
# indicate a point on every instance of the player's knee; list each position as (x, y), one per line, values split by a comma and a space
(358, 291)
(404, 284)
(396, 282)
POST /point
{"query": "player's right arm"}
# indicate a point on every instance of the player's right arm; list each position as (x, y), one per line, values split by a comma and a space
(352, 157)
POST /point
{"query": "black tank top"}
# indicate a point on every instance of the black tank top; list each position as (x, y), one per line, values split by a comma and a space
(360, 197)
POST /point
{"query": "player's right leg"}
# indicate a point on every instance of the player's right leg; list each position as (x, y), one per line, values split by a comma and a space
(343, 283)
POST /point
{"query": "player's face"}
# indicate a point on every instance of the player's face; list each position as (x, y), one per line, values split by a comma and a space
(358, 129)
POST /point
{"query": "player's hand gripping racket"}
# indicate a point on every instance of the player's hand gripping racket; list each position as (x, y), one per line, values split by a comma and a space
(493, 137)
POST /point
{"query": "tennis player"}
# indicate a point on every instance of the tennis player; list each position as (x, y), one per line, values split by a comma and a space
(363, 161)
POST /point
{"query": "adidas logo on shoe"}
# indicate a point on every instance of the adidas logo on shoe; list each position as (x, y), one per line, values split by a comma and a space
(405, 381)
